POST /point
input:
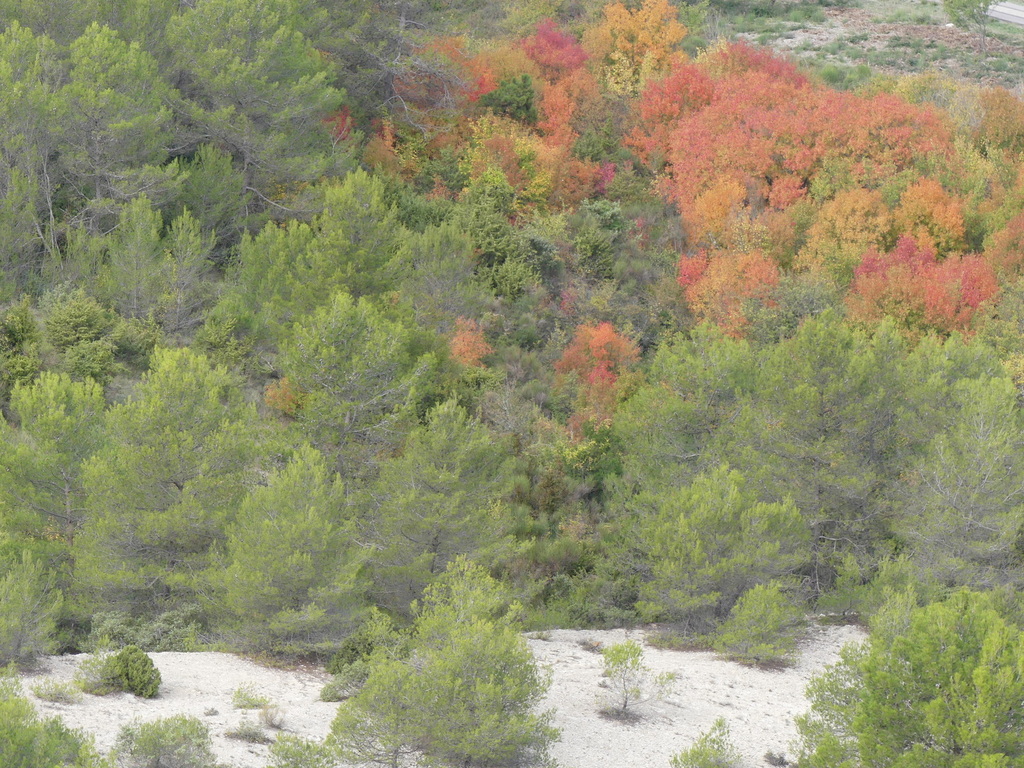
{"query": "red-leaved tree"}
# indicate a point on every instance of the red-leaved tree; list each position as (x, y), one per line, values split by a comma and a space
(911, 286)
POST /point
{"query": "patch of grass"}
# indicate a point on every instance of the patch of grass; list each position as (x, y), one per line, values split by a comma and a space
(248, 731)
(671, 640)
(844, 78)
(245, 697)
(56, 691)
(905, 15)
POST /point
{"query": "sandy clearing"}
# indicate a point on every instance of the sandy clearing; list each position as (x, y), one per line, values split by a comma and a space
(759, 705)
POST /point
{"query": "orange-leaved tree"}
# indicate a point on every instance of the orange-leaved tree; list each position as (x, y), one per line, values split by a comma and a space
(778, 135)
(719, 284)
(846, 226)
(686, 88)
(596, 358)
(468, 344)
(933, 217)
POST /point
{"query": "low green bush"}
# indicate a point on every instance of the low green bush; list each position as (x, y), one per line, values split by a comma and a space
(294, 752)
(134, 338)
(73, 318)
(713, 749)
(356, 647)
(761, 627)
(245, 697)
(134, 671)
(91, 360)
(347, 682)
(177, 742)
(27, 741)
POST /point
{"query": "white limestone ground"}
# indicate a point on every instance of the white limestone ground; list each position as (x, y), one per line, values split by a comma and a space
(758, 705)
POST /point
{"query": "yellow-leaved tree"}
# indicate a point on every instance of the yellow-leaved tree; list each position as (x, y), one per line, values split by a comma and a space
(632, 46)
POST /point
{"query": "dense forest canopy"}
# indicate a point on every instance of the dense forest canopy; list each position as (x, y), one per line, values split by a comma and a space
(305, 302)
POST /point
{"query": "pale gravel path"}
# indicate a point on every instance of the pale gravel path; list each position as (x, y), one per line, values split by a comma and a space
(758, 705)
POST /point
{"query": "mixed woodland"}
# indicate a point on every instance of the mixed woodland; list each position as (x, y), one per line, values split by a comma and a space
(309, 307)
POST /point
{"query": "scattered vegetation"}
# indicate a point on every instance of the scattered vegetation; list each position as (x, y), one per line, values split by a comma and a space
(26, 741)
(272, 716)
(629, 683)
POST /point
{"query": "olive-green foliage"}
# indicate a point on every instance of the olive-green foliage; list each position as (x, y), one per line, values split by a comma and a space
(441, 498)
(28, 742)
(761, 626)
(464, 691)
(59, 427)
(176, 630)
(19, 346)
(115, 132)
(963, 506)
(56, 691)
(178, 740)
(18, 327)
(356, 647)
(214, 192)
(72, 318)
(513, 97)
(944, 690)
(283, 274)
(133, 274)
(290, 579)
(29, 607)
(134, 339)
(220, 341)
(266, 108)
(246, 697)
(90, 360)
(827, 735)
(93, 675)
(161, 490)
(347, 681)
(713, 749)
(598, 225)
(358, 368)
(135, 672)
(512, 277)
(186, 263)
(289, 751)
(434, 270)
(710, 542)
